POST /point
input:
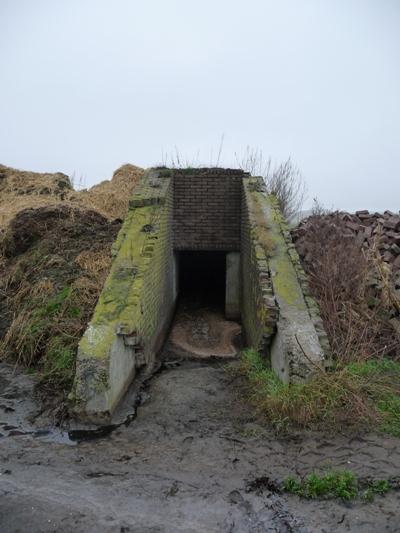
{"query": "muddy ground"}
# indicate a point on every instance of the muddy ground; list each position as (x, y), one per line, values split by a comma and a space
(182, 465)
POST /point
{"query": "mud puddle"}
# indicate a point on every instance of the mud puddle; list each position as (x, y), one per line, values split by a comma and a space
(184, 454)
(193, 460)
(21, 416)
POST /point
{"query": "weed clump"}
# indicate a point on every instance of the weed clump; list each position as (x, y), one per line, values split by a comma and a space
(359, 395)
(334, 484)
(46, 331)
(340, 484)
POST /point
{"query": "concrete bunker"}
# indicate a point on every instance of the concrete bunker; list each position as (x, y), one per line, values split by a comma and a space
(211, 232)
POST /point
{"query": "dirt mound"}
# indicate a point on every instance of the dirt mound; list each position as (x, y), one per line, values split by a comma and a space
(353, 264)
(21, 190)
(55, 262)
(54, 257)
(111, 198)
(30, 225)
(22, 182)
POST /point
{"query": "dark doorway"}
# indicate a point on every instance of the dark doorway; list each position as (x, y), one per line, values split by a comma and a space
(202, 278)
(200, 327)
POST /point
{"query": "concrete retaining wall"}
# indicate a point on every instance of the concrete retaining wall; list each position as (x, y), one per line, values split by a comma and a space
(279, 316)
(135, 307)
(259, 310)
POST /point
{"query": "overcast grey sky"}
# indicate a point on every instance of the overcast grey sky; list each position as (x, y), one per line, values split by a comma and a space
(86, 85)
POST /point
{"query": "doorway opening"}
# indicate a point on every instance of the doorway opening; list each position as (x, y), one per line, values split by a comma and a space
(202, 278)
(201, 328)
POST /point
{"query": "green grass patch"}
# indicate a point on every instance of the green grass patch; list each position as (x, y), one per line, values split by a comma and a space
(59, 361)
(339, 484)
(55, 304)
(46, 333)
(365, 395)
(380, 486)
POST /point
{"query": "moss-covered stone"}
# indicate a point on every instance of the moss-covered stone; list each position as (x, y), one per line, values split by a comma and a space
(295, 350)
(131, 303)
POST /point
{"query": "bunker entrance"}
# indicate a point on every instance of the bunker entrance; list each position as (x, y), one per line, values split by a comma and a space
(202, 279)
(201, 327)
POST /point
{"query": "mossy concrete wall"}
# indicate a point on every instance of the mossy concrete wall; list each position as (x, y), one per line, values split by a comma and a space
(135, 306)
(259, 309)
(279, 316)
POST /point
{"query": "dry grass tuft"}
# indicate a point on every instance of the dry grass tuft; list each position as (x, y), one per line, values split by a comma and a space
(343, 279)
(111, 198)
(284, 181)
(94, 262)
(21, 190)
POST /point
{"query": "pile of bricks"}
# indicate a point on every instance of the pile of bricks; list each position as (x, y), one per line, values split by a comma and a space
(368, 230)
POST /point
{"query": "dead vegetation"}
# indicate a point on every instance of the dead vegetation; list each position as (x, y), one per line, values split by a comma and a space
(284, 181)
(111, 198)
(354, 286)
(30, 190)
(54, 257)
(353, 274)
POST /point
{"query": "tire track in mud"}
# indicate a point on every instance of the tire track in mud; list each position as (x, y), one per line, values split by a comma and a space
(184, 465)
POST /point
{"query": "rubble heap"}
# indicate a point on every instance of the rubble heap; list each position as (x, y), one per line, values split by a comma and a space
(368, 230)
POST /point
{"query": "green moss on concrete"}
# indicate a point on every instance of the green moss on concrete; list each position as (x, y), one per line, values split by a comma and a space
(122, 292)
(274, 271)
(136, 300)
(165, 172)
(286, 286)
(97, 341)
(259, 310)
(123, 287)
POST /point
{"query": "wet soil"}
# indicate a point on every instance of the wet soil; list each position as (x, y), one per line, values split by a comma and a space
(193, 460)
(202, 331)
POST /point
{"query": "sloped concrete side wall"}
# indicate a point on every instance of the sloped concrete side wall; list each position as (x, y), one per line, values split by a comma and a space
(135, 306)
(259, 310)
(291, 333)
